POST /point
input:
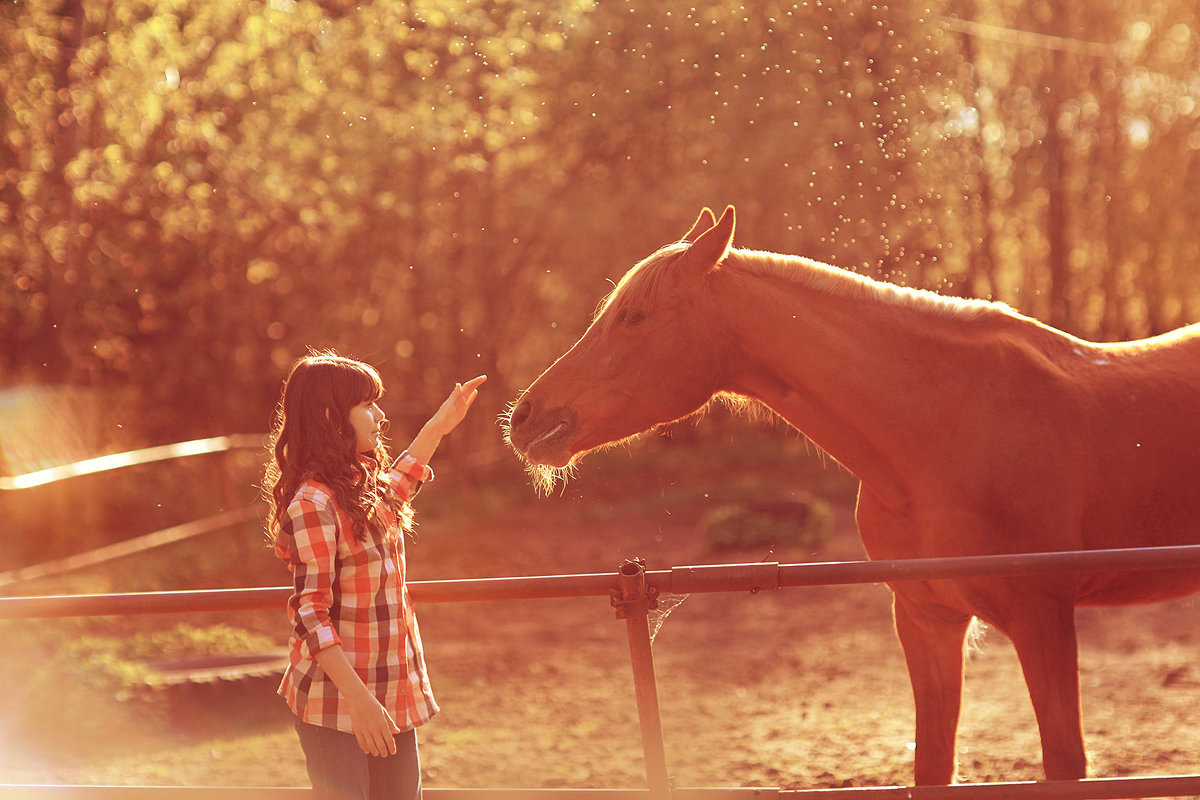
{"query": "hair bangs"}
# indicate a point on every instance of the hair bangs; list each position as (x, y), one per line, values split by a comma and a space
(350, 382)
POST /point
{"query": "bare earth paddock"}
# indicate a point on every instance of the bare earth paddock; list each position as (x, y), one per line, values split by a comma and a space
(794, 688)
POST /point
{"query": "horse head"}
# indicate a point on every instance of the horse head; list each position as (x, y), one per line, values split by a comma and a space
(651, 356)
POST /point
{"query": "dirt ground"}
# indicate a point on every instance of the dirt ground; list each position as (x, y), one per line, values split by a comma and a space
(792, 688)
(796, 688)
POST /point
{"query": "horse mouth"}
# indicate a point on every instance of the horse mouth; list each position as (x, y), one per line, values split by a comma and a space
(549, 449)
(546, 436)
(542, 438)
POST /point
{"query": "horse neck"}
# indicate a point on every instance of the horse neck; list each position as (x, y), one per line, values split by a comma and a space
(870, 378)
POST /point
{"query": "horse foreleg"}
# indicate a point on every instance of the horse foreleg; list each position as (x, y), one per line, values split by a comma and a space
(1044, 639)
(933, 644)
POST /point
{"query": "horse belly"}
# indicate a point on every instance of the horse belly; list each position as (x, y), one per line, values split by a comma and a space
(1148, 500)
(1137, 586)
(1151, 520)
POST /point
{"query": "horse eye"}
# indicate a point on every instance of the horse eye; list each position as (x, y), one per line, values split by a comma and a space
(632, 316)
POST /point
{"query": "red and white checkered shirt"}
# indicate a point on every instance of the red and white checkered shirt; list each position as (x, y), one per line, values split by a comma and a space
(352, 592)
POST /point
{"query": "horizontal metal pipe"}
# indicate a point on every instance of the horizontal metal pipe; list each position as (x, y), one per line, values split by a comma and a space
(716, 578)
(1001, 565)
(1090, 789)
(770, 575)
(519, 588)
(678, 580)
(30, 792)
(15, 792)
(148, 455)
(99, 605)
(138, 544)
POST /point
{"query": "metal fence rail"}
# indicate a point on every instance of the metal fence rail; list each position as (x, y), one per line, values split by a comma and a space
(1090, 789)
(676, 580)
(148, 455)
(634, 591)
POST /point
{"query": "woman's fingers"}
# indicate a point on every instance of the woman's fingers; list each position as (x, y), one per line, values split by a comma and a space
(455, 407)
(379, 746)
(366, 743)
(474, 383)
(379, 743)
(468, 391)
(390, 737)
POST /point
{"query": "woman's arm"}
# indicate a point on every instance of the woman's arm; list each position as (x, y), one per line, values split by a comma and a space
(445, 419)
(373, 726)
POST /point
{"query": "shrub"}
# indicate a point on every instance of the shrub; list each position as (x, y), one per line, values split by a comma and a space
(801, 522)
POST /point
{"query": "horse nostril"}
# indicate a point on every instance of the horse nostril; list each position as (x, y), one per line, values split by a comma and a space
(522, 413)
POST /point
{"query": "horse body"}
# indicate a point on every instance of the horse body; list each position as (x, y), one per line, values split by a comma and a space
(1142, 461)
(973, 430)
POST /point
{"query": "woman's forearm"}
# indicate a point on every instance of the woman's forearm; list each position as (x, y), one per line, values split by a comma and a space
(426, 442)
(373, 727)
(337, 666)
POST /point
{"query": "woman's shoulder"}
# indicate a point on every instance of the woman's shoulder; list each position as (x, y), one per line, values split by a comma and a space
(312, 490)
(311, 516)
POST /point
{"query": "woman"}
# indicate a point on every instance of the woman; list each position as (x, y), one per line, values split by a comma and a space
(357, 681)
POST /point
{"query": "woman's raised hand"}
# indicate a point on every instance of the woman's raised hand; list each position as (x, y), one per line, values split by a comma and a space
(454, 408)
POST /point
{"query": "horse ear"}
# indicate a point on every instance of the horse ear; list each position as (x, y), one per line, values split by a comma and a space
(705, 221)
(710, 247)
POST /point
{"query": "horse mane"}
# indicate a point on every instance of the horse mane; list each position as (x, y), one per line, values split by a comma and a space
(837, 281)
(643, 279)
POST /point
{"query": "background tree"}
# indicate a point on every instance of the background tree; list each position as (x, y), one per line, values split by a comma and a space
(192, 193)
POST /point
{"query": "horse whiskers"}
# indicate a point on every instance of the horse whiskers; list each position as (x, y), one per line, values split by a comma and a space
(504, 420)
(543, 477)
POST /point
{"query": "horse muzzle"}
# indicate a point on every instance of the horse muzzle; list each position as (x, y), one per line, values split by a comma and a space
(540, 435)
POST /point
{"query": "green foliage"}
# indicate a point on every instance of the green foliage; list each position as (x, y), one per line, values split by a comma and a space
(89, 684)
(795, 525)
(118, 665)
(190, 640)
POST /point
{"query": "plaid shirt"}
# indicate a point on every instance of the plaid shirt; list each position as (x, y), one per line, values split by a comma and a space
(352, 592)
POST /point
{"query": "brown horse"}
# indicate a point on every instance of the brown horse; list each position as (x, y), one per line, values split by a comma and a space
(972, 429)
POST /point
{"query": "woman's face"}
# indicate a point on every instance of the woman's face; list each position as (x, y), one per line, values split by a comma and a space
(365, 421)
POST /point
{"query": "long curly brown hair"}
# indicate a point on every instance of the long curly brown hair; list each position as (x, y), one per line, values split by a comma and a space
(311, 437)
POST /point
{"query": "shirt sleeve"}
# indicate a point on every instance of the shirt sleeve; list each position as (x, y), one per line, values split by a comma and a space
(407, 475)
(308, 543)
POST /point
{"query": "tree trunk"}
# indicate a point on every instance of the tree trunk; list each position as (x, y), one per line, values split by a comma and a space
(60, 237)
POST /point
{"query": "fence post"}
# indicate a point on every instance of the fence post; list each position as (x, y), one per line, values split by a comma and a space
(634, 605)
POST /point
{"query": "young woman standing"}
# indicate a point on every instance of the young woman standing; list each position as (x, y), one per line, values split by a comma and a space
(357, 681)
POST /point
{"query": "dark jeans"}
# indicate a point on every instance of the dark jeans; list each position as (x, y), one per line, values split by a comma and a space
(339, 770)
